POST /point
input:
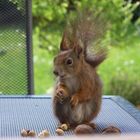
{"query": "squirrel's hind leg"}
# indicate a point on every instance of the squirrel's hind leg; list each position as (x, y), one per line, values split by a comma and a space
(87, 128)
(93, 125)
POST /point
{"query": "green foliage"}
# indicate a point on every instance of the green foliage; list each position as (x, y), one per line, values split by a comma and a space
(126, 86)
(120, 72)
(43, 73)
(50, 17)
(20, 5)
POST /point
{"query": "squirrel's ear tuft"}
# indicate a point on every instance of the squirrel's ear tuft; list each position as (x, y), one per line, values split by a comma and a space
(64, 44)
(78, 50)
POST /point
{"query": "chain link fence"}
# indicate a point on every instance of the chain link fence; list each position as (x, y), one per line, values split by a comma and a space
(15, 47)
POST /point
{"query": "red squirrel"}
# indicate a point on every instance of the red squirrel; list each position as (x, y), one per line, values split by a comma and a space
(78, 89)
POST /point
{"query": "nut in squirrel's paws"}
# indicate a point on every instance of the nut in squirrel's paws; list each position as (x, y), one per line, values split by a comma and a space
(60, 95)
(74, 101)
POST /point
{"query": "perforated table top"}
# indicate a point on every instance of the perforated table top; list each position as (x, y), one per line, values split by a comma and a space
(33, 112)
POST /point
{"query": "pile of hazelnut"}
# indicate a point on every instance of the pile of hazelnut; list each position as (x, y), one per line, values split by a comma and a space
(80, 129)
(44, 133)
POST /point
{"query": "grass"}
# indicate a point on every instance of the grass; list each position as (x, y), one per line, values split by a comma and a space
(43, 77)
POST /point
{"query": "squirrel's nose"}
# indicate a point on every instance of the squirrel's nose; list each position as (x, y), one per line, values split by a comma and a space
(55, 72)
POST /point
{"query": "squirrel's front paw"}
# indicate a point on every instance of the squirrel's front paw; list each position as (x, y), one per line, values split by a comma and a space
(60, 95)
(74, 101)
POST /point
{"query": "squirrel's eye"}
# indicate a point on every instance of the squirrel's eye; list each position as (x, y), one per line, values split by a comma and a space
(69, 61)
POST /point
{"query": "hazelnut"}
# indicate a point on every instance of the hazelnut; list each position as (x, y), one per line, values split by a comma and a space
(31, 133)
(60, 132)
(46, 133)
(24, 133)
(43, 134)
(64, 127)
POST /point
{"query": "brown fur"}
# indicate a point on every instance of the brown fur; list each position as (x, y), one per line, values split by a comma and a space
(77, 95)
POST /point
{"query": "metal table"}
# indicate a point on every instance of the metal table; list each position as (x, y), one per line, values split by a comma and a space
(35, 112)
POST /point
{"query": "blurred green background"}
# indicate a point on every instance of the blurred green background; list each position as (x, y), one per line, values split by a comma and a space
(121, 70)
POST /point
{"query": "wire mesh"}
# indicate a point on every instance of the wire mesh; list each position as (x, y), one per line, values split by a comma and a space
(14, 77)
(36, 113)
